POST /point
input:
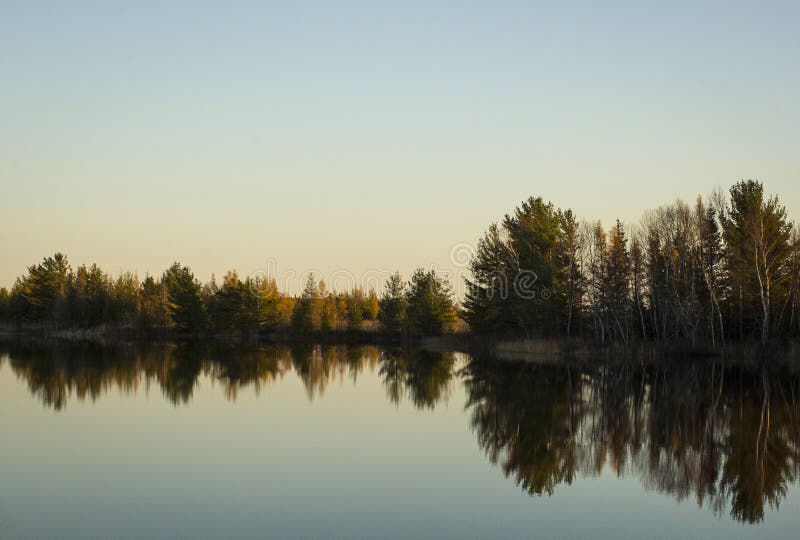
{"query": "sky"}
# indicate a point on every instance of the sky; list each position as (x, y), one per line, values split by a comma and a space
(370, 137)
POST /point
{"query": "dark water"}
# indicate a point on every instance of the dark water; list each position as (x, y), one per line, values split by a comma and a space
(182, 441)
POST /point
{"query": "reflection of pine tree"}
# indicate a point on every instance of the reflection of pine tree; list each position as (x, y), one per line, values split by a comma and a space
(723, 436)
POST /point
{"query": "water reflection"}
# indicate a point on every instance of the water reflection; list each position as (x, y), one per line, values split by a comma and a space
(726, 437)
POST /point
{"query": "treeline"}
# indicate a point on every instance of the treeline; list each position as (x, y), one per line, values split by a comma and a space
(718, 271)
(714, 272)
(55, 295)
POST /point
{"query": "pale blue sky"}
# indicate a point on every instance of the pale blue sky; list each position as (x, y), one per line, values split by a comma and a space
(366, 135)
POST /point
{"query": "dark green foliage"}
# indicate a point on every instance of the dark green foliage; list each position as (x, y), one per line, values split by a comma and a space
(307, 309)
(487, 306)
(154, 304)
(430, 303)
(568, 281)
(533, 234)
(704, 274)
(185, 302)
(42, 291)
(756, 232)
(393, 304)
(89, 297)
(5, 305)
(525, 274)
(617, 283)
(233, 306)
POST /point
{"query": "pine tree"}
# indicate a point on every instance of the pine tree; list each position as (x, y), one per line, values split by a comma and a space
(43, 291)
(306, 314)
(757, 233)
(710, 252)
(533, 233)
(568, 282)
(393, 304)
(617, 282)
(430, 305)
(125, 300)
(264, 293)
(5, 305)
(487, 303)
(185, 301)
(155, 311)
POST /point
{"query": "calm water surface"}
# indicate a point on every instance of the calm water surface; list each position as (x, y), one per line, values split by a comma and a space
(189, 441)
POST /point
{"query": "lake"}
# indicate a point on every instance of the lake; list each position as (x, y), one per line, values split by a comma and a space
(182, 440)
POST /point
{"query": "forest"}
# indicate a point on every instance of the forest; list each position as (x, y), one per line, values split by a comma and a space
(724, 269)
(719, 271)
(54, 296)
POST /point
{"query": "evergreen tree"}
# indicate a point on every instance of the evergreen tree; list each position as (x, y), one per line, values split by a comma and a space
(617, 282)
(155, 309)
(264, 291)
(96, 295)
(430, 304)
(226, 304)
(5, 305)
(306, 314)
(329, 317)
(757, 233)
(487, 303)
(185, 301)
(568, 282)
(125, 300)
(533, 232)
(43, 290)
(393, 304)
(710, 253)
(597, 292)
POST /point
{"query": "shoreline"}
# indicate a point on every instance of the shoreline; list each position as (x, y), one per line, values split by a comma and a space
(491, 346)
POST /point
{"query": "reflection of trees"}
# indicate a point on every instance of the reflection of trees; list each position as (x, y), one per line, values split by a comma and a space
(530, 433)
(728, 437)
(85, 371)
(424, 377)
(238, 367)
(179, 371)
(318, 365)
(56, 371)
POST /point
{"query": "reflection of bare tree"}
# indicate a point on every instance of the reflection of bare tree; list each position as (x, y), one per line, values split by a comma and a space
(727, 437)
